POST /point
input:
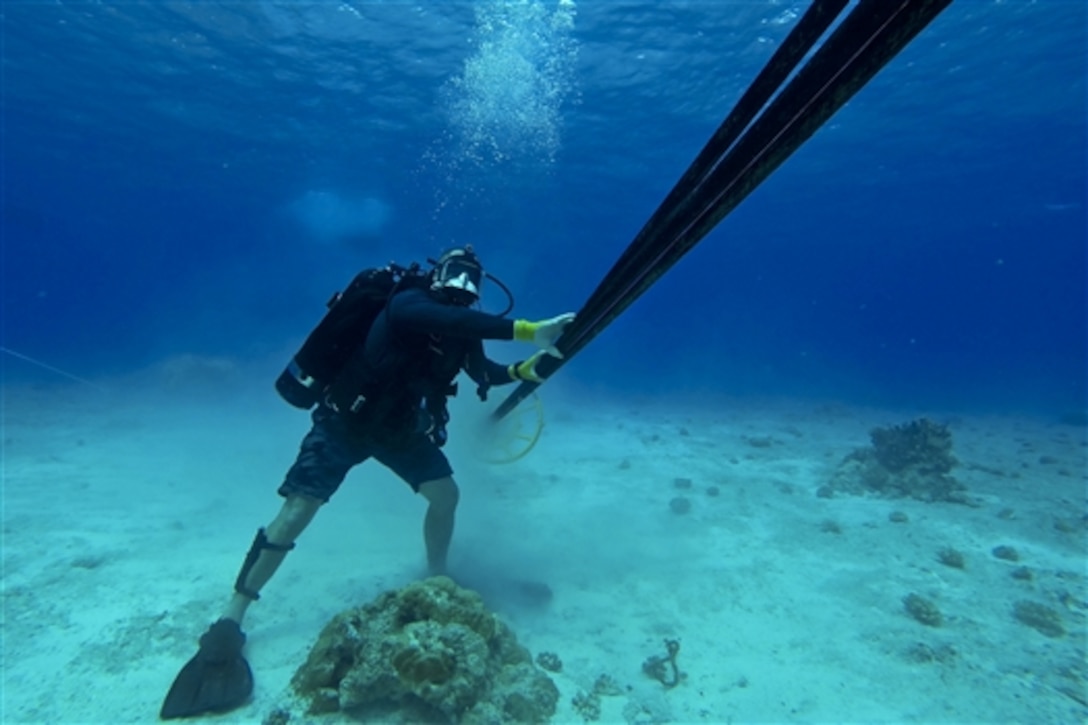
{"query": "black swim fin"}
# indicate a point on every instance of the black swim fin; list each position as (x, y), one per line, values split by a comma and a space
(217, 679)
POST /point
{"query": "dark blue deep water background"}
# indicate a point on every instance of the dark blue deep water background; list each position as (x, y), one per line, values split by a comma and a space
(195, 178)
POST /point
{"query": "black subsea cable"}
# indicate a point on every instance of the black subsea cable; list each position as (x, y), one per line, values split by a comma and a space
(839, 69)
(825, 69)
(867, 22)
(868, 38)
(800, 40)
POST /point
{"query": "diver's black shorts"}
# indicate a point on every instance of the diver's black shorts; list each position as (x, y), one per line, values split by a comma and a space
(334, 446)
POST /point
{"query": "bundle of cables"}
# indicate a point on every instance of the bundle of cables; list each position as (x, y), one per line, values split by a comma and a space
(782, 108)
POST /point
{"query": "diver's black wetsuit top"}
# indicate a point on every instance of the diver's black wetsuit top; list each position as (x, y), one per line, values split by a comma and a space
(425, 342)
(415, 349)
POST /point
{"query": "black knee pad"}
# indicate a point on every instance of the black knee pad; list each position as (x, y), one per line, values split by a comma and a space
(260, 543)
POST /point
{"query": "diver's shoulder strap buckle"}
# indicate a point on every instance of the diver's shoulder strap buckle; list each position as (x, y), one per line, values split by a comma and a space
(354, 407)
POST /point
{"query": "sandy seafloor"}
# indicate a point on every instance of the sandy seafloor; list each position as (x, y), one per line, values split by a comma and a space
(127, 512)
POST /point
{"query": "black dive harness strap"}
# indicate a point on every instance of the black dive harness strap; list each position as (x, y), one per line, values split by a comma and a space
(743, 152)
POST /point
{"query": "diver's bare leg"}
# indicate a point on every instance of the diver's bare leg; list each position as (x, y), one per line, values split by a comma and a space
(295, 515)
(442, 496)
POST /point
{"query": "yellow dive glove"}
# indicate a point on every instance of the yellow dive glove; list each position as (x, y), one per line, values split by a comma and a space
(526, 369)
(543, 334)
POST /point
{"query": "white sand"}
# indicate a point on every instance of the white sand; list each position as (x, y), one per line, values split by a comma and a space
(126, 517)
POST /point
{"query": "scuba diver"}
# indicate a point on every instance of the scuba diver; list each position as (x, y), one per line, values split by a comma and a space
(388, 402)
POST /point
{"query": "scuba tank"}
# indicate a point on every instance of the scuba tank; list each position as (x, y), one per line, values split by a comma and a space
(327, 349)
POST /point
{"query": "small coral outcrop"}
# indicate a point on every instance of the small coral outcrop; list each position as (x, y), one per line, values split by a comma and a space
(923, 610)
(921, 445)
(430, 651)
(550, 661)
(1039, 617)
(952, 558)
(912, 460)
(663, 668)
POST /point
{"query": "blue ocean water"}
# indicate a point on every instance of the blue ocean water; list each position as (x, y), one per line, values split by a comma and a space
(198, 177)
